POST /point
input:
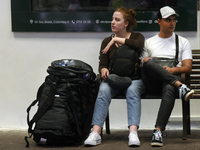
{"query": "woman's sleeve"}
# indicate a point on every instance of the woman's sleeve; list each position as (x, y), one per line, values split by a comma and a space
(136, 41)
(103, 58)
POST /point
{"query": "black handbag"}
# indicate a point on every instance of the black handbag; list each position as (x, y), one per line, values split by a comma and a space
(169, 62)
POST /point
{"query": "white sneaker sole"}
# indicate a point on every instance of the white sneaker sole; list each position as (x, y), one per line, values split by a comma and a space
(157, 144)
(189, 95)
(93, 143)
(133, 144)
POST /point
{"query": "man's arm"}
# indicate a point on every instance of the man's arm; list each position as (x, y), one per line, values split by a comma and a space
(186, 67)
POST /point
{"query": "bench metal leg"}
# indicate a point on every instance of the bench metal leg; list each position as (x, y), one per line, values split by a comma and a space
(107, 124)
(186, 119)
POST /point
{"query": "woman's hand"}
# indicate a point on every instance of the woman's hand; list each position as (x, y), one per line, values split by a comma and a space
(105, 50)
(104, 73)
(114, 40)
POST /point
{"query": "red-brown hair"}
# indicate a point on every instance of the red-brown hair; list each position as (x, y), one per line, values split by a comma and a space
(129, 16)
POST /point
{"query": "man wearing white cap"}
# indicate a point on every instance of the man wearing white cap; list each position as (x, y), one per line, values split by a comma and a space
(166, 78)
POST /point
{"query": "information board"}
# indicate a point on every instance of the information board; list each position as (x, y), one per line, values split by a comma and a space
(94, 15)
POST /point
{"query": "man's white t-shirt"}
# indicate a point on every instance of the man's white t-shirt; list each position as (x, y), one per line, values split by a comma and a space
(166, 47)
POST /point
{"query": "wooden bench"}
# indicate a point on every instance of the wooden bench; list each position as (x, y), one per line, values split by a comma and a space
(192, 80)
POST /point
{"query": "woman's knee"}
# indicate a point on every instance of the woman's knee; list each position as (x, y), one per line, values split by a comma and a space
(104, 87)
(105, 92)
(136, 88)
(133, 94)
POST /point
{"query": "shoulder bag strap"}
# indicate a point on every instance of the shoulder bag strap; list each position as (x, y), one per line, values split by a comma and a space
(177, 50)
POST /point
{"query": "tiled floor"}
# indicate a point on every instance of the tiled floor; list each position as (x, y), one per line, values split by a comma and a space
(117, 140)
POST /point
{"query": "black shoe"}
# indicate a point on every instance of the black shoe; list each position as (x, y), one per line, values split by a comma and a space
(157, 138)
(185, 93)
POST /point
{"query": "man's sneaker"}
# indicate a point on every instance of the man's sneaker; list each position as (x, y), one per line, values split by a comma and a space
(157, 138)
(133, 139)
(185, 93)
(93, 139)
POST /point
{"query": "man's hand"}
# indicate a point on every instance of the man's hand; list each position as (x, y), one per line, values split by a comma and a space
(186, 67)
(170, 70)
(104, 73)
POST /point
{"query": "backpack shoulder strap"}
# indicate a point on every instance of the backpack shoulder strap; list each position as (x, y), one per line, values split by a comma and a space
(43, 108)
(40, 112)
(34, 102)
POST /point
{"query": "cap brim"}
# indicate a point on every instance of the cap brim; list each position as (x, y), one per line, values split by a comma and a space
(166, 16)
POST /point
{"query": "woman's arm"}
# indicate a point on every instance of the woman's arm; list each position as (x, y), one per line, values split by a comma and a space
(104, 58)
(136, 41)
(113, 41)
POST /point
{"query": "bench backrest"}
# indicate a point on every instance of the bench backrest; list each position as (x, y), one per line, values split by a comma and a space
(194, 79)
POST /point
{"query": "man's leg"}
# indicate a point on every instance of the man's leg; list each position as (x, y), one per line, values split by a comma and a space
(158, 72)
(169, 93)
(152, 84)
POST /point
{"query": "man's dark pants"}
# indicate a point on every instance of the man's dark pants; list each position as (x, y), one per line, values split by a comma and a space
(157, 80)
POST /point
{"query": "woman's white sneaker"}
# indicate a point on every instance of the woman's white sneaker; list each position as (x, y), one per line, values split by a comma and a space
(93, 139)
(133, 139)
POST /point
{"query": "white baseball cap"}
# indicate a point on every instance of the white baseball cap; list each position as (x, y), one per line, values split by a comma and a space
(167, 11)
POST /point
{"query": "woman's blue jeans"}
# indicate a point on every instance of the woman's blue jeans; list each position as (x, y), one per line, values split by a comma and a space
(133, 97)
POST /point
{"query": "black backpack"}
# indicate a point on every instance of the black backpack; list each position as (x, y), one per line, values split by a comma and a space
(125, 62)
(65, 105)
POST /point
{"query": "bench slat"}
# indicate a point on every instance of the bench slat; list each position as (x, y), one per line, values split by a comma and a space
(196, 72)
(195, 56)
(195, 66)
(195, 86)
(194, 82)
(195, 61)
(194, 78)
(196, 95)
(196, 51)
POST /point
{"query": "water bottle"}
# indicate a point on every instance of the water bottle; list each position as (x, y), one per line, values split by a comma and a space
(72, 62)
(61, 63)
(67, 63)
(64, 63)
